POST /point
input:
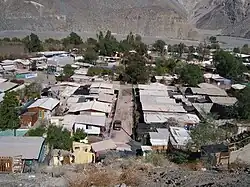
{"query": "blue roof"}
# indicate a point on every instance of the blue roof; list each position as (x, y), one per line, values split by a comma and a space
(19, 132)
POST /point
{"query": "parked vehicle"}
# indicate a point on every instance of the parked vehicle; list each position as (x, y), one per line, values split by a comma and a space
(117, 125)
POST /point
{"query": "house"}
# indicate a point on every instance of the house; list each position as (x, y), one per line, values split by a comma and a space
(100, 148)
(159, 140)
(179, 137)
(31, 150)
(82, 153)
(28, 119)
(227, 101)
(91, 124)
(170, 108)
(7, 86)
(22, 64)
(61, 157)
(45, 107)
(216, 155)
(91, 107)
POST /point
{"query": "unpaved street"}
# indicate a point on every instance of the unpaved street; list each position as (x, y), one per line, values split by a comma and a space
(124, 112)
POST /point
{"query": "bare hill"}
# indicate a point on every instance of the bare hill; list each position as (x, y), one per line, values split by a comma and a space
(147, 17)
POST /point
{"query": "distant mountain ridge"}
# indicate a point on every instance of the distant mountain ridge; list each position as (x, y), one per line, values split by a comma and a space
(167, 18)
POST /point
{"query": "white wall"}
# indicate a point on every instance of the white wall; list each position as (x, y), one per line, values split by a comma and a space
(92, 130)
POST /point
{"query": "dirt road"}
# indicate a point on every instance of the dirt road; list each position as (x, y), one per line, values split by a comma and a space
(124, 113)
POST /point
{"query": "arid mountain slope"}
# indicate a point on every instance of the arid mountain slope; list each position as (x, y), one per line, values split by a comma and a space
(147, 17)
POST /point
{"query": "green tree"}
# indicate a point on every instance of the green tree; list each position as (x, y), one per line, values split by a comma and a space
(206, 133)
(33, 43)
(38, 131)
(136, 70)
(191, 74)
(68, 70)
(181, 48)
(213, 39)
(7, 40)
(245, 49)
(236, 50)
(79, 135)
(58, 138)
(73, 39)
(159, 46)
(227, 65)
(15, 39)
(241, 109)
(90, 55)
(9, 118)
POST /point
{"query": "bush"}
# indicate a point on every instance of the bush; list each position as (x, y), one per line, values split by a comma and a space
(155, 159)
(179, 157)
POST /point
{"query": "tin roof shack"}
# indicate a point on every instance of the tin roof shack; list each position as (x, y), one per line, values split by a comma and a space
(179, 137)
(222, 106)
(101, 148)
(82, 153)
(159, 140)
(7, 86)
(28, 119)
(91, 107)
(30, 149)
(216, 155)
(45, 107)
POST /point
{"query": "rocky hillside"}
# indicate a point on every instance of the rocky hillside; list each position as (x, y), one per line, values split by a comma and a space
(230, 16)
(171, 18)
(148, 17)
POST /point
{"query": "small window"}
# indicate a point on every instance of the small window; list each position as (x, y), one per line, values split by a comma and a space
(77, 148)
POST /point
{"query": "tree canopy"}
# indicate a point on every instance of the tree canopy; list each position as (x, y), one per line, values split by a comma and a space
(191, 75)
(135, 69)
(79, 135)
(59, 138)
(68, 70)
(9, 118)
(33, 43)
(228, 66)
(159, 46)
(73, 39)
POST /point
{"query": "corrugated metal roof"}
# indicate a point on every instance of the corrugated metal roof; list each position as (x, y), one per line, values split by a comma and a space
(45, 103)
(159, 138)
(101, 85)
(92, 105)
(172, 108)
(179, 136)
(203, 108)
(68, 91)
(103, 145)
(105, 98)
(6, 86)
(28, 147)
(160, 93)
(223, 100)
(156, 99)
(161, 117)
(91, 120)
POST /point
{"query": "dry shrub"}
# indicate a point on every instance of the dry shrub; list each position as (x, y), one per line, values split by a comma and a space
(155, 159)
(130, 177)
(95, 177)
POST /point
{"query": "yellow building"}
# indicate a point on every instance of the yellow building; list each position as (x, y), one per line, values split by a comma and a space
(82, 153)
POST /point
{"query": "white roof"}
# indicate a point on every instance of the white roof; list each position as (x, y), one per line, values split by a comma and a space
(94, 120)
(172, 108)
(68, 91)
(102, 85)
(52, 52)
(103, 145)
(152, 86)
(91, 106)
(146, 148)
(28, 147)
(2, 80)
(99, 90)
(45, 103)
(155, 99)
(24, 62)
(6, 86)
(159, 93)
(212, 76)
(203, 108)
(242, 55)
(105, 98)
(161, 117)
(159, 138)
(179, 136)
(223, 100)
(9, 67)
(238, 86)
(81, 71)
(80, 77)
